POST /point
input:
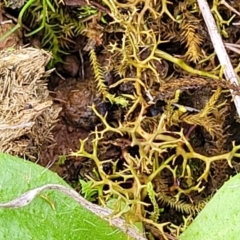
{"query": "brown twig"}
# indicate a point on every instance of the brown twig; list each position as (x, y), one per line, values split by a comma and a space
(79, 3)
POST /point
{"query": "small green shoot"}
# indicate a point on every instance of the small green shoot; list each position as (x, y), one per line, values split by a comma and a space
(88, 192)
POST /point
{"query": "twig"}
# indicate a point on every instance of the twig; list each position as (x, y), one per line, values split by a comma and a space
(79, 3)
(219, 49)
(233, 47)
(229, 7)
(13, 19)
(102, 212)
(12, 127)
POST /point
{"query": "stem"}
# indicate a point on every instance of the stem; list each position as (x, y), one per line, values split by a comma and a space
(19, 24)
(183, 65)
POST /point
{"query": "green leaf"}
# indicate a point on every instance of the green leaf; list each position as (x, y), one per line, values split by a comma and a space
(219, 220)
(39, 220)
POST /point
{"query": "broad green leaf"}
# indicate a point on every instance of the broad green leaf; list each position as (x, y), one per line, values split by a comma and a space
(51, 215)
(220, 219)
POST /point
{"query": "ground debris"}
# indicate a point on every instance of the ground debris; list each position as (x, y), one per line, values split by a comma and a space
(27, 114)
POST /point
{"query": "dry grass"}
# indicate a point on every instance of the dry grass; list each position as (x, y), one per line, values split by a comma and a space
(27, 114)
